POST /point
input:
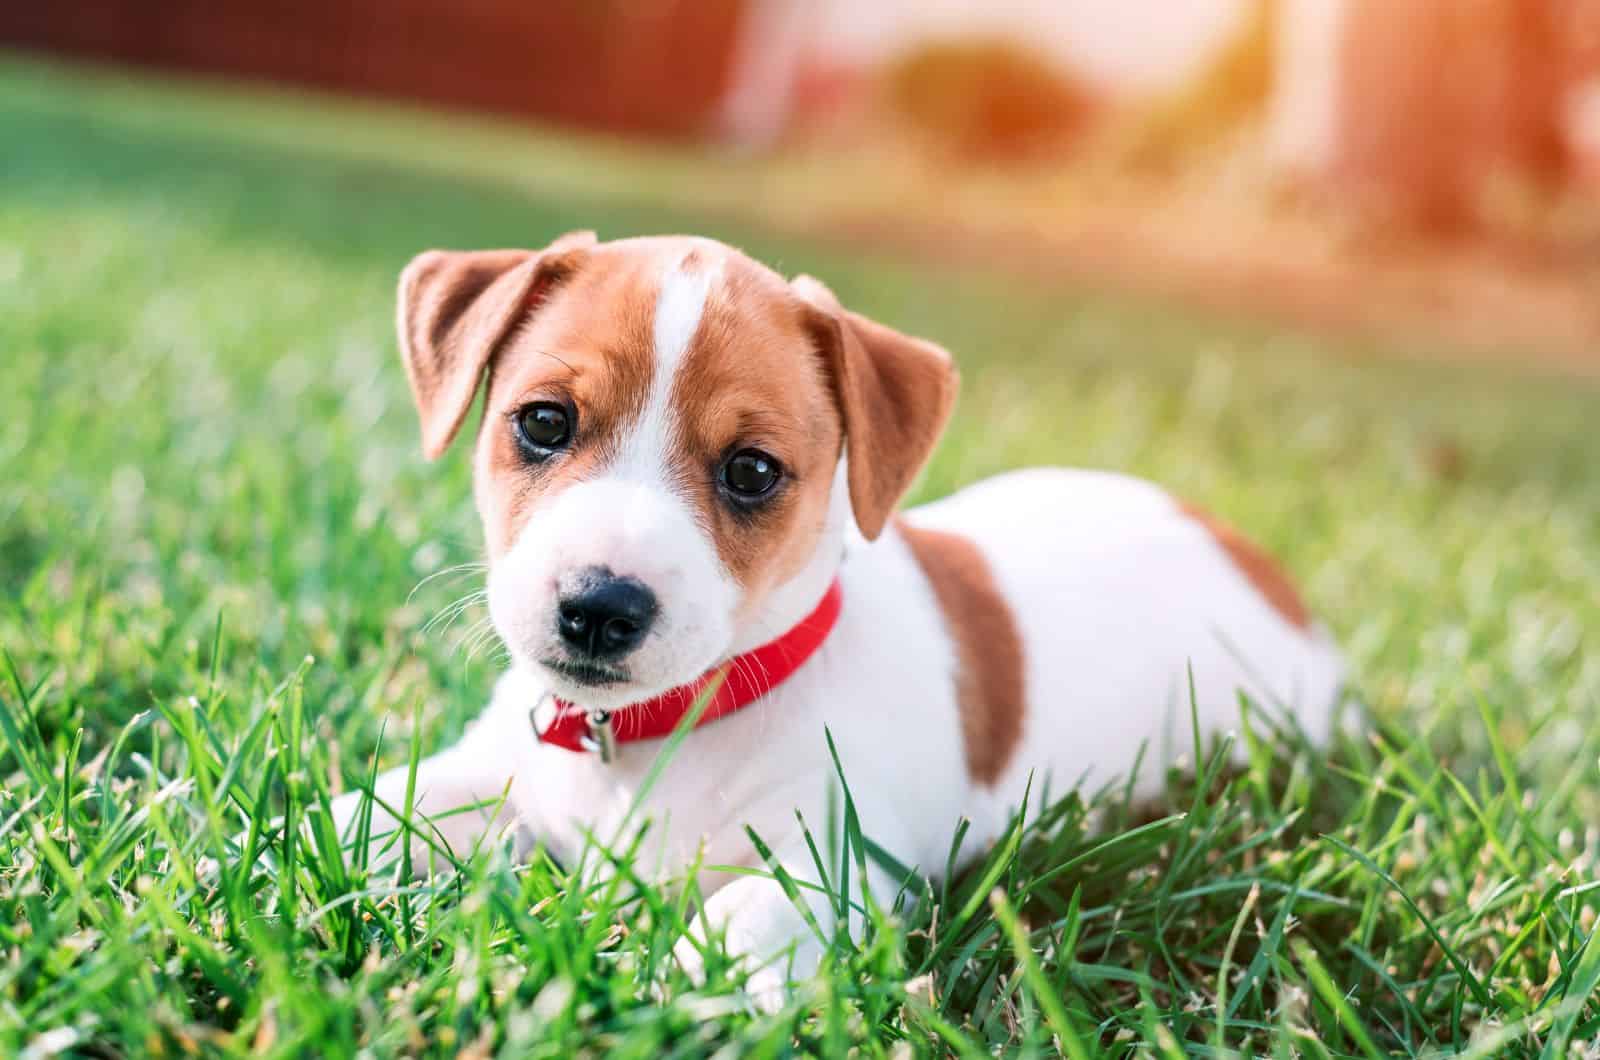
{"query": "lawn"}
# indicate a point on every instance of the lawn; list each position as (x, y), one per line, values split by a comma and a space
(226, 579)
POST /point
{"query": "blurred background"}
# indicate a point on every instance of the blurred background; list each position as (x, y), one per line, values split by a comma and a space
(1431, 166)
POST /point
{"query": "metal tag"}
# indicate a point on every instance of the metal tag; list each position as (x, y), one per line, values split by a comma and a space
(602, 737)
(599, 738)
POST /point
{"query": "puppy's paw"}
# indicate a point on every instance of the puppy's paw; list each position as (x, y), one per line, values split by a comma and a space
(766, 988)
(691, 960)
(762, 930)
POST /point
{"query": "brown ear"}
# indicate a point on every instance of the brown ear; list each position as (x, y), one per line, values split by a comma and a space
(895, 394)
(455, 309)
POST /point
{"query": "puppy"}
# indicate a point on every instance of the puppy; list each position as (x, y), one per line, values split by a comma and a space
(687, 471)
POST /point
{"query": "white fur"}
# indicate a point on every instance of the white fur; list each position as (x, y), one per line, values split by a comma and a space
(1118, 594)
(1121, 596)
(679, 304)
(678, 308)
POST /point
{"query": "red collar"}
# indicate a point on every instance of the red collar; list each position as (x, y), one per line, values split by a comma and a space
(748, 677)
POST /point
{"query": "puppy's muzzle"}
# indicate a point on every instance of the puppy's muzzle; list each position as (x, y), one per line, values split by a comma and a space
(604, 617)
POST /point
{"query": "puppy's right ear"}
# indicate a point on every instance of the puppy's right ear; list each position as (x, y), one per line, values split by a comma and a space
(455, 310)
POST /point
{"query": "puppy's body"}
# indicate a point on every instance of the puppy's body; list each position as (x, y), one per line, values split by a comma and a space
(1043, 624)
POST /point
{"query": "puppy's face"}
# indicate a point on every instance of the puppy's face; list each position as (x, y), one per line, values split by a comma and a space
(661, 436)
(657, 453)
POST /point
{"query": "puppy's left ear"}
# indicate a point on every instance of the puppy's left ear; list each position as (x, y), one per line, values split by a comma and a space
(895, 394)
(456, 308)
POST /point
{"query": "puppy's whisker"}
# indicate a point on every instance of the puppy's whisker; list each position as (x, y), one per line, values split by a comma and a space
(448, 614)
(553, 357)
(482, 638)
(458, 570)
(469, 636)
(454, 607)
(748, 668)
(466, 634)
(480, 633)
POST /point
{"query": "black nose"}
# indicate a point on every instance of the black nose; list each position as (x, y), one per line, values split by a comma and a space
(606, 616)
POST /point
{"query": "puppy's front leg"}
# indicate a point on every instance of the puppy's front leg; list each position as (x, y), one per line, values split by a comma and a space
(759, 921)
(461, 796)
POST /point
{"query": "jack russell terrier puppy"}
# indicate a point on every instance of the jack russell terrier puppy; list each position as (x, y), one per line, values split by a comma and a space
(687, 471)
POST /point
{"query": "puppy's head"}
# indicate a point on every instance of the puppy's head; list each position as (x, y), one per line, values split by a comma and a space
(662, 436)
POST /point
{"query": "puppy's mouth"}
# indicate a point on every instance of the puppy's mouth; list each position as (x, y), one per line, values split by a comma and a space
(587, 674)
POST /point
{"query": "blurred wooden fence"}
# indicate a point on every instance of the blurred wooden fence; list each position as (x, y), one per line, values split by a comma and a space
(653, 66)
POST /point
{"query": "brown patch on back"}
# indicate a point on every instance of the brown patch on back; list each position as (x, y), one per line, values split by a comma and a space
(989, 681)
(1267, 577)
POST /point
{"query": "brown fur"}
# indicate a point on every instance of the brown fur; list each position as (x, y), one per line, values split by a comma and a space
(1267, 577)
(591, 343)
(455, 311)
(750, 380)
(990, 680)
(895, 393)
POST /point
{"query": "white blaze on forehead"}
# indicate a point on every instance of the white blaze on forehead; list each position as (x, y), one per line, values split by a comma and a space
(679, 305)
(678, 308)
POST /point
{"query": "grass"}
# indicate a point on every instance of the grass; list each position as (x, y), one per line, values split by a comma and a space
(219, 553)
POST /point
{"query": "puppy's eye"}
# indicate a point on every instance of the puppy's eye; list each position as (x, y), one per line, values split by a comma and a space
(750, 473)
(544, 426)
